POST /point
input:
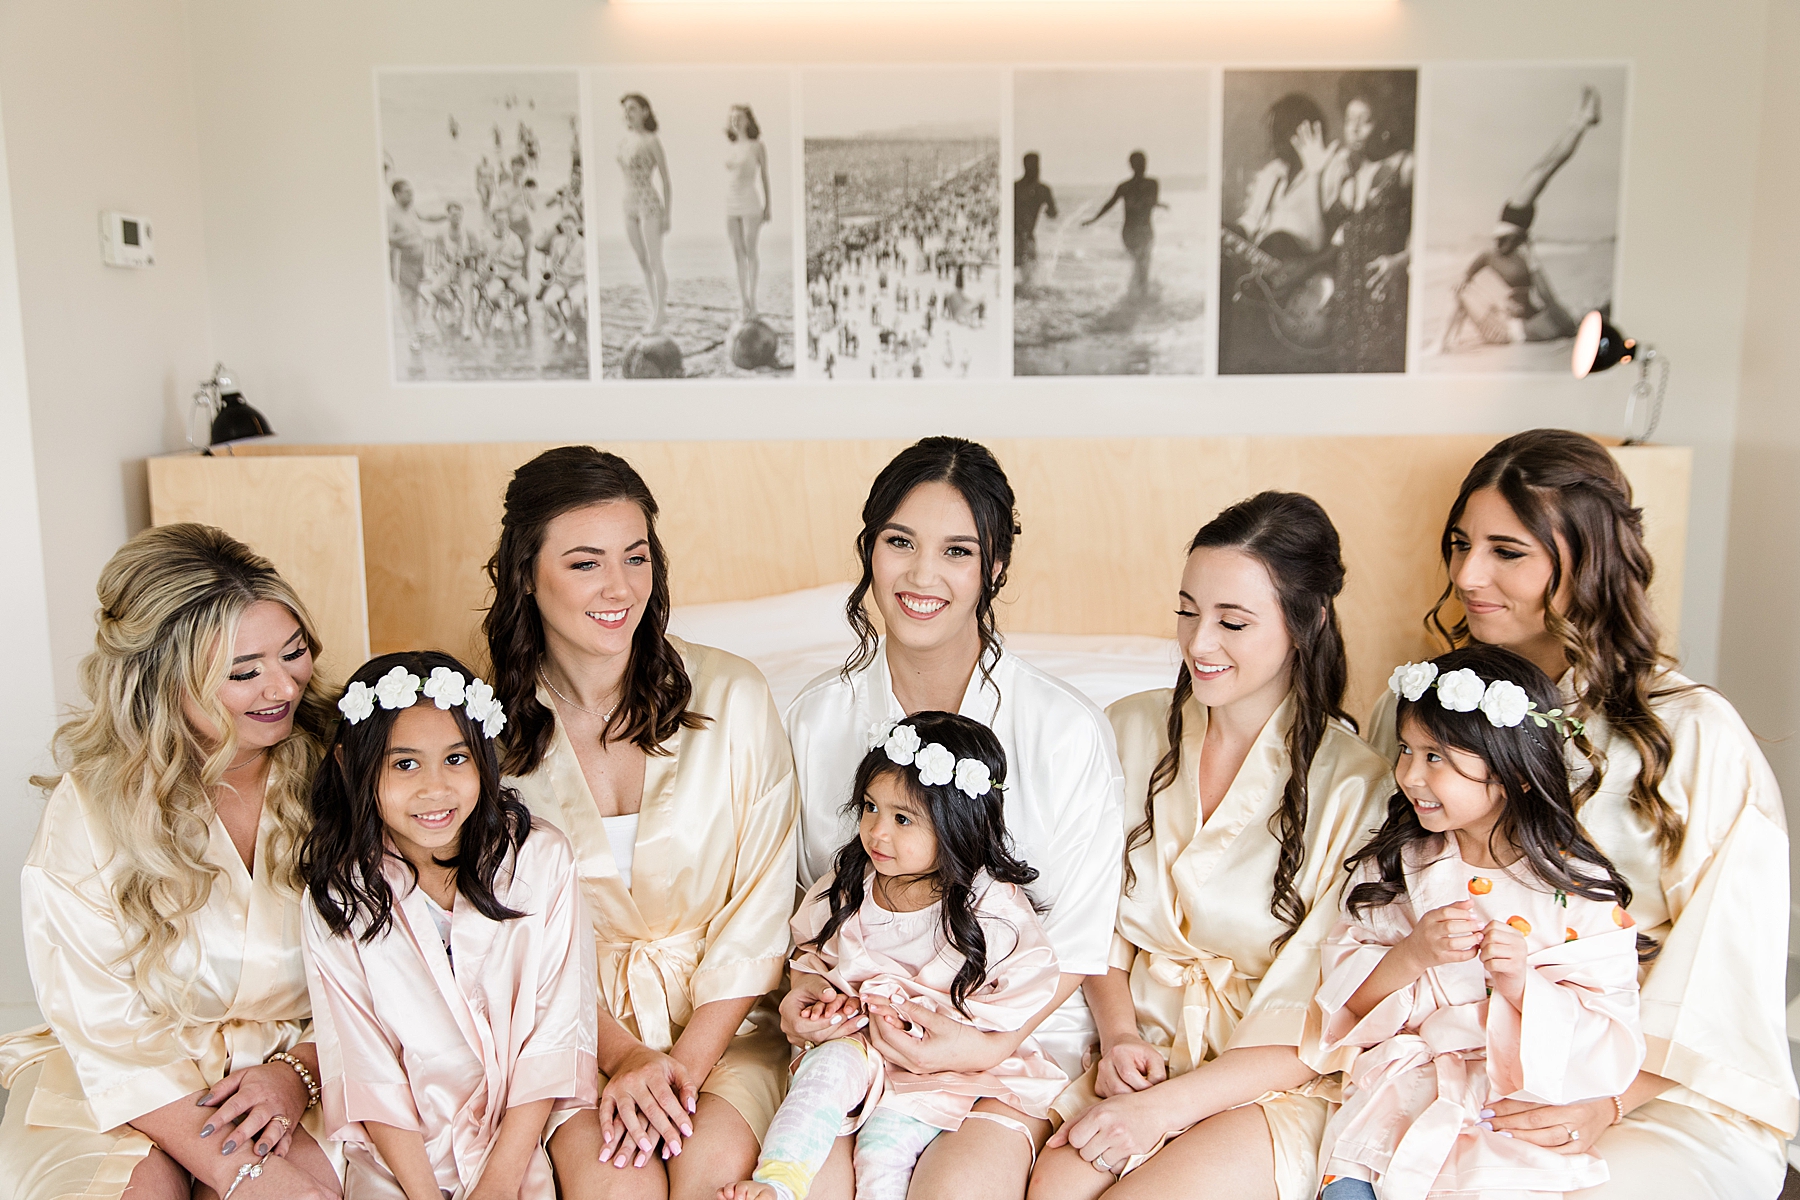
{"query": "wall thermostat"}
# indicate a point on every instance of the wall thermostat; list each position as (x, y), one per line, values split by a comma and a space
(125, 240)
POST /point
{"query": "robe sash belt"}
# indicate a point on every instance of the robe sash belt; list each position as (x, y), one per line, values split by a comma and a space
(648, 980)
(1448, 1041)
(1213, 999)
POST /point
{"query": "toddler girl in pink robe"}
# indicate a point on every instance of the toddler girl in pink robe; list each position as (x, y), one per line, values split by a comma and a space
(1485, 956)
(447, 951)
(926, 905)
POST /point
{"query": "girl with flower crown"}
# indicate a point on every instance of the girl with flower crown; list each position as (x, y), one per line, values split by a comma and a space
(447, 952)
(925, 908)
(1545, 555)
(1485, 951)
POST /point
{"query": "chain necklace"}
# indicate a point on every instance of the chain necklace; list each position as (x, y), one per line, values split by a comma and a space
(605, 717)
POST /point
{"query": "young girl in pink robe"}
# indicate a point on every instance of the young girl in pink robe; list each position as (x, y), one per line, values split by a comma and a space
(447, 950)
(925, 906)
(1485, 953)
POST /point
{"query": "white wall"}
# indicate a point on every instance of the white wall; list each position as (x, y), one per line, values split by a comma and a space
(98, 100)
(287, 134)
(1759, 652)
(27, 704)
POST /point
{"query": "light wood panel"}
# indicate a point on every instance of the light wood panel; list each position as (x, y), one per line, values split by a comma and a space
(302, 514)
(1105, 523)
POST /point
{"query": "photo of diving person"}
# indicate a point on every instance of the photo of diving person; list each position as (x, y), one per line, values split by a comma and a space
(1109, 277)
(1542, 149)
(1316, 221)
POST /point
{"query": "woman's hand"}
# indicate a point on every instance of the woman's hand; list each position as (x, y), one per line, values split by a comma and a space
(935, 1042)
(1383, 272)
(264, 1102)
(1503, 954)
(1564, 1128)
(649, 1098)
(1309, 143)
(813, 1011)
(1113, 1130)
(1129, 1065)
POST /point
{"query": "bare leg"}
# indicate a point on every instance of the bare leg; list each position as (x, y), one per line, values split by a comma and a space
(659, 274)
(1230, 1156)
(752, 231)
(1532, 185)
(580, 1175)
(158, 1177)
(722, 1151)
(740, 254)
(1062, 1174)
(983, 1158)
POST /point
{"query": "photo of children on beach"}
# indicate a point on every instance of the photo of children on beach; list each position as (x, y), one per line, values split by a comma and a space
(1112, 215)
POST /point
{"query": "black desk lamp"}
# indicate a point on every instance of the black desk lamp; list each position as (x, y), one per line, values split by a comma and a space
(231, 417)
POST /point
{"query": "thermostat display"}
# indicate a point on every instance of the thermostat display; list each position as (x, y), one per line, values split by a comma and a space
(125, 240)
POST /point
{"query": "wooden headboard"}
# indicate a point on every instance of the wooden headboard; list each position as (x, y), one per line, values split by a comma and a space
(1105, 522)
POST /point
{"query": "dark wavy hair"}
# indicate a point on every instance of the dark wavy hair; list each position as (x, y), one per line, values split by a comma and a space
(972, 470)
(1298, 545)
(649, 113)
(971, 838)
(341, 858)
(752, 130)
(1565, 485)
(657, 689)
(1537, 817)
(1284, 118)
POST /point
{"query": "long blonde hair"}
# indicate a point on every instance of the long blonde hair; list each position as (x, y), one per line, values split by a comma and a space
(170, 603)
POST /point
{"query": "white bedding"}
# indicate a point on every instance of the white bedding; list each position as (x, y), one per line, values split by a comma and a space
(797, 636)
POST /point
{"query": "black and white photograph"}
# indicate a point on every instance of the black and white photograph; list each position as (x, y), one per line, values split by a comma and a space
(1521, 218)
(1316, 216)
(693, 221)
(486, 253)
(1112, 221)
(903, 271)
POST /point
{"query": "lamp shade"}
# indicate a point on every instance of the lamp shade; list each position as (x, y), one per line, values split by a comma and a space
(237, 421)
(1598, 346)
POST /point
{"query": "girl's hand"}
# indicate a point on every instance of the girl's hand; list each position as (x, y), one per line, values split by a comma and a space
(253, 1099)
(647, 1099)
(1564, 1128)
(1130, 1065)
(1503, 954)
(947, 1044)
(1113, 1130)
(1445, 935)
(810, 995)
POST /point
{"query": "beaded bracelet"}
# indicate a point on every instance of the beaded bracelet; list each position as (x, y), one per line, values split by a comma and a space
(306, 1076)
(1618, 1110)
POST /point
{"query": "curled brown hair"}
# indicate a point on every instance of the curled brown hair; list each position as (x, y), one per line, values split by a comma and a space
(1297, 544)
(657, 690)
(1565, 485)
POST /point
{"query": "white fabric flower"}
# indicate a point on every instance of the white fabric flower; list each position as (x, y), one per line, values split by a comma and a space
(445, 687)
(1505, 704)
(972, 778)
(1460, 691)
(357, 702)
(902, 745)
(479, 699)
(878, 732)
(399, 688)
(937, 766)
(1411, 679)
(494, 722)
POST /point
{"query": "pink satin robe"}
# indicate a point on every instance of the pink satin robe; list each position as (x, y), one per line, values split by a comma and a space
(904, 956)
(407, 1041)
(1434, 1054)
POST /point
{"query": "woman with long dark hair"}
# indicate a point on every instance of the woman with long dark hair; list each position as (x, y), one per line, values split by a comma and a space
(937, 537)
(1367, 190)
(665, 765)
(1545, 554)
(1245, 789)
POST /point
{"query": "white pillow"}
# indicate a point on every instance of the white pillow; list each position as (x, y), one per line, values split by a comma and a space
(768, 625)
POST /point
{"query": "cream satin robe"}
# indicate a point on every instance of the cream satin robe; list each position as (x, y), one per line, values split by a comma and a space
(444, 1043)
(104, 1060)
(1062, 802)
(1714, 1021)
(1196, 932)
(712, 876)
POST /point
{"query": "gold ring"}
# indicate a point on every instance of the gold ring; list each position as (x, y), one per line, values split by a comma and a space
(285, 1123)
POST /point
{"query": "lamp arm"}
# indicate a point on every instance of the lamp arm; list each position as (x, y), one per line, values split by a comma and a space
(1642, 390)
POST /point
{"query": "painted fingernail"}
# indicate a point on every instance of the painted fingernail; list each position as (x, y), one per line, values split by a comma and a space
(203, 1101)
(837, 1020)
(1502, 1133)
(687, 1131)
(207, 1132)
(262, 1147)
(690, 1104)
(1487, 1125)
(1486, 1113)
(229, 1147)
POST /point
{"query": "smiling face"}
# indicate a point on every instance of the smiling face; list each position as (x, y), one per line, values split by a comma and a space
(926, 571)
(271, 664)
(1233, 637)
(1448, 788)
(593, 579)
(1500, 570)
(895, 828)
(429, 783)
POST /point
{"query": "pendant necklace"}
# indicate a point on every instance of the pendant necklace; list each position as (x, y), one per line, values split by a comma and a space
(605, 717)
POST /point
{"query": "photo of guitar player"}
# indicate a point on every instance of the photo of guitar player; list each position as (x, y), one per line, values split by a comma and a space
(1315, 255)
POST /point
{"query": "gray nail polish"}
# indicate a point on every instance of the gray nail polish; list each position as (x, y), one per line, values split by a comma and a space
(228, 1148)
(207, 1132)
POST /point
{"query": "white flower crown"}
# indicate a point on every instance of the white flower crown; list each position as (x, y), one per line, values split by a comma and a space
(935, 764)
(400, 688)
(1505, 704)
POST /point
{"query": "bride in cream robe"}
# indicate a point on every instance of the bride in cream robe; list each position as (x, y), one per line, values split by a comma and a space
(1712, 998)
(705, 915)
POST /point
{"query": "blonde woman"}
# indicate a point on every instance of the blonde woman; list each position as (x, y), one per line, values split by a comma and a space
(162, 913)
